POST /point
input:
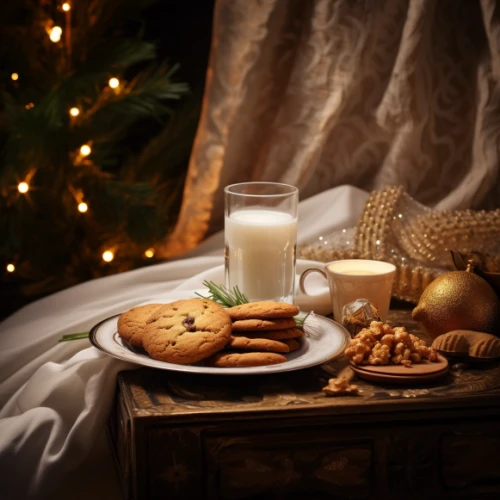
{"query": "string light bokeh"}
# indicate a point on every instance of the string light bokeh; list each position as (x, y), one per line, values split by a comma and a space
(58, 28)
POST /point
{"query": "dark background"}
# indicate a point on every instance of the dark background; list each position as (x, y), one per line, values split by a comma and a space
(182, 30)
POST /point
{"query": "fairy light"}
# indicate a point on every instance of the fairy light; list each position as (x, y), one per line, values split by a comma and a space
(55, 34)
(108, 256)
(83, 207)
(74, 111)
(114, 83)
(29, 105)
(149, 253)
(85, 150)
(10, 268)
(66, 7)
(23, 187)
(14, 76)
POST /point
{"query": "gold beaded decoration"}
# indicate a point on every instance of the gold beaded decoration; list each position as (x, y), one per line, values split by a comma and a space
(394, 227)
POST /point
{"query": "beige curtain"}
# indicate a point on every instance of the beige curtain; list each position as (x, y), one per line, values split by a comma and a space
(319, 93)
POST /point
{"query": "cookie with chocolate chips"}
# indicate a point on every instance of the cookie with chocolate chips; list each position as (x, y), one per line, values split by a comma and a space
(131, 324)
(187, 331)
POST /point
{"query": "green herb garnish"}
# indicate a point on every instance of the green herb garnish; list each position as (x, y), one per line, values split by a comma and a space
(300, 321)
(74, 336)
(222, 296)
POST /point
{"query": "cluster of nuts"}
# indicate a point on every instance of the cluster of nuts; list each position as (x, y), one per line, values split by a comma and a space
(340, 386)
(381, 344)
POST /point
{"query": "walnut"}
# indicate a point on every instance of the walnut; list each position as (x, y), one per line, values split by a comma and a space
(379, 355)
(380, 344)
(339, 386)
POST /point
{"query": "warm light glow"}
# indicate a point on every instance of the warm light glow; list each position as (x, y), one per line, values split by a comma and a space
(108, 256)
(85, 150)
(23, 187)
(149, 253)
(74, 111)
(66, 7)
(55, 34)
(14, 76)
(29, 106)
(11, 268)
(114, 82)
(82, 207)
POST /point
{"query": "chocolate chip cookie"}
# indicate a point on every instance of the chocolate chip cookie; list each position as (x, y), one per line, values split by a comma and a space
(244, 325)
(245, 359)
(287, 333)
(257, 344)
(131, 324)
(187, 331)
(261, 310)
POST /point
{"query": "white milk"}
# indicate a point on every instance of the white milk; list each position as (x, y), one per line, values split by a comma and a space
(260, 254)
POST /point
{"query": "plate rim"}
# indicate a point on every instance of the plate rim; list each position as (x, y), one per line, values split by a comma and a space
(255, 370)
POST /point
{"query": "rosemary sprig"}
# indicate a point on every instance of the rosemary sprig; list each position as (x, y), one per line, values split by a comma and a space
(221, 295)
(300, 321)
(74, 336)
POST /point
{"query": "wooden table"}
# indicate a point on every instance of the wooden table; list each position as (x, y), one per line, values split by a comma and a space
(185, 436)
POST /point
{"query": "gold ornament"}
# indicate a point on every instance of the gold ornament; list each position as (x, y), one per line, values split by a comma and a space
(458, 300)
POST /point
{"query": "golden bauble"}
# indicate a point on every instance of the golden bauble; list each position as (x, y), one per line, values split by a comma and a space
(458, 300)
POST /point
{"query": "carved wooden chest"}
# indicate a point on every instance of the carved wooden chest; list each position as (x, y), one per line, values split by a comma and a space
(185, 436)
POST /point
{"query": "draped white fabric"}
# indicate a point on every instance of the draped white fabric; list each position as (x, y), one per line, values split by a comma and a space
(55, 397)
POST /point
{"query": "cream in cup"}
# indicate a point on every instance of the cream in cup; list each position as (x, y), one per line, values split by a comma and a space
(352, 279)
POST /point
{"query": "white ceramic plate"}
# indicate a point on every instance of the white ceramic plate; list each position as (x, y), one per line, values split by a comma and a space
(324, 340)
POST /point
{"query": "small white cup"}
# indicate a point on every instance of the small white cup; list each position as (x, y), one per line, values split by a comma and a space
(352, 279)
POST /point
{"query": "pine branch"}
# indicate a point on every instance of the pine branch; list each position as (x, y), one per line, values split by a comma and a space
(168, 152)
(143, 97)
(109, 57)
(52, 243)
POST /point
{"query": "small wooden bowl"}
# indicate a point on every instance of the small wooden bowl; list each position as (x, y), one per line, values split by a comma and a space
(397, 374)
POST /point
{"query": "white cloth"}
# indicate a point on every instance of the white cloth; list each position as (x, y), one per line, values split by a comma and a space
(55, 397)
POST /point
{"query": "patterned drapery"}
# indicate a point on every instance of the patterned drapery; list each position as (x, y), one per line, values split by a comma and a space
(319, 93)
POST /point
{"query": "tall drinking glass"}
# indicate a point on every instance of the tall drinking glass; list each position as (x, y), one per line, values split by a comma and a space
(260, 231)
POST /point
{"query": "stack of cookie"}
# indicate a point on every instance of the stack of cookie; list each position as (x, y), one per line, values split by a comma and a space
(194, 330)
(262, 332)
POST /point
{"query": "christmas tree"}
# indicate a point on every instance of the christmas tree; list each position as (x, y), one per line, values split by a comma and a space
(85, 191)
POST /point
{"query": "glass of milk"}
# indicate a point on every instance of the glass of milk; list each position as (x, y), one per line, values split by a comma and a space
(260, 232)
